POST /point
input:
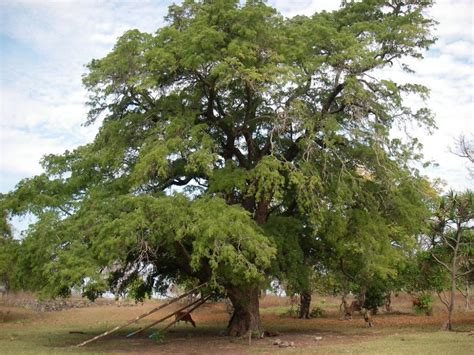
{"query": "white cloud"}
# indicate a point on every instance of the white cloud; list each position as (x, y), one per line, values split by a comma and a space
(455, 19)
(304, 7)
(461, 49)
(42, 101)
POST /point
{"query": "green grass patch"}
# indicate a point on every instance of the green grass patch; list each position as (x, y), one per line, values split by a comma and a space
(420, 343)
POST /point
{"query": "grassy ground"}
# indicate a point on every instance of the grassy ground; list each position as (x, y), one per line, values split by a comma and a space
(24, 331)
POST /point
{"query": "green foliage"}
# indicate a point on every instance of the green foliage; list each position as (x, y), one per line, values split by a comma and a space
(158, 337)
(452, 239)
(138, 289)
(424, 304)
(421, 273)
(289, 265)
(451, 232)
(292, 312)
(5, 228)
(317, 312)
(236, 146)
(375, 296)
(93, 291)
(370, 234)
(9, 253)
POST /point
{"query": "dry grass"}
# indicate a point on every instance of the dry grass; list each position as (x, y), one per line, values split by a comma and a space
(27, 331)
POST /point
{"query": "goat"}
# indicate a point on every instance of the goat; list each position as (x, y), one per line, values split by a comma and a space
(185, 317)
(356, 306)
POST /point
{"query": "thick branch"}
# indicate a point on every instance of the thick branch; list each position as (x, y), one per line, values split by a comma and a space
(441, 262)
(330, 100)
(443, 299)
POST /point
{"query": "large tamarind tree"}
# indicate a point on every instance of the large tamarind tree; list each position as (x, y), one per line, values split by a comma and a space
(230, 139)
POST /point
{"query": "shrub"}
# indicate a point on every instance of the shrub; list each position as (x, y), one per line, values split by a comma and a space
(374, 297)
(423, 304)
(292, 312)
(158, 336)
(317, 312)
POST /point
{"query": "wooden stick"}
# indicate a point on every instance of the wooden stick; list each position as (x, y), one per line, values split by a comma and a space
(139, 317)
(162, 319)
(184, 315)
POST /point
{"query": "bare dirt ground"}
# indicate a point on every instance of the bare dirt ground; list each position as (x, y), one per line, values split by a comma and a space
(29, 331)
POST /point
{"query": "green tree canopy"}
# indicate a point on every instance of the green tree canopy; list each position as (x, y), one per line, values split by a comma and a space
(226, 124)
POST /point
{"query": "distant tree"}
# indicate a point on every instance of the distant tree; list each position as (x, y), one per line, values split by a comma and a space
(8, 253)
(228, 119)
(464, 148)
(5, 228)
(420, 276)
(454, 232)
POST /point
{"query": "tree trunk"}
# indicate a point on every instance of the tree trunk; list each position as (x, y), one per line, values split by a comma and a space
(261, 212)
(452, 296)
(361, 296)
(453, 270)
(305, 304)
(388, 302)
(246, 315)
(467, 304)
(245, 319)
(345, 307)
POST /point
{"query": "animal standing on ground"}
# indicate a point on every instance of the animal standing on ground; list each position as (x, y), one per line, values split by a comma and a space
(356, 306)
(185, 317)
(350, 309)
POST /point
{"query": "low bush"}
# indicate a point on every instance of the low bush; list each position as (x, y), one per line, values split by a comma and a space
(423, 304)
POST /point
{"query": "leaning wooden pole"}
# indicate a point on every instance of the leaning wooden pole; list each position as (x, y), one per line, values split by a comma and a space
(187, 312)
(139, 317)
(162, 319)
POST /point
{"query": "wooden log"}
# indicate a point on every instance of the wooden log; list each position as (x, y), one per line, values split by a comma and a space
(200, 301)
(187, 312)
(140, 317)
(163, 319)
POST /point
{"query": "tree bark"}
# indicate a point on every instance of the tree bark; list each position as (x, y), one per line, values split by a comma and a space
(345, 307)
(454, 270)
(305, 305)
(452, 297)
(388, 302)
(246, 315)
(467, 303)
(361, 296)
(261, 212)
(245, 319)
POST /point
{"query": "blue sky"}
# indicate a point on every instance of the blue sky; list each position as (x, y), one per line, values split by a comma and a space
(45, 44)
